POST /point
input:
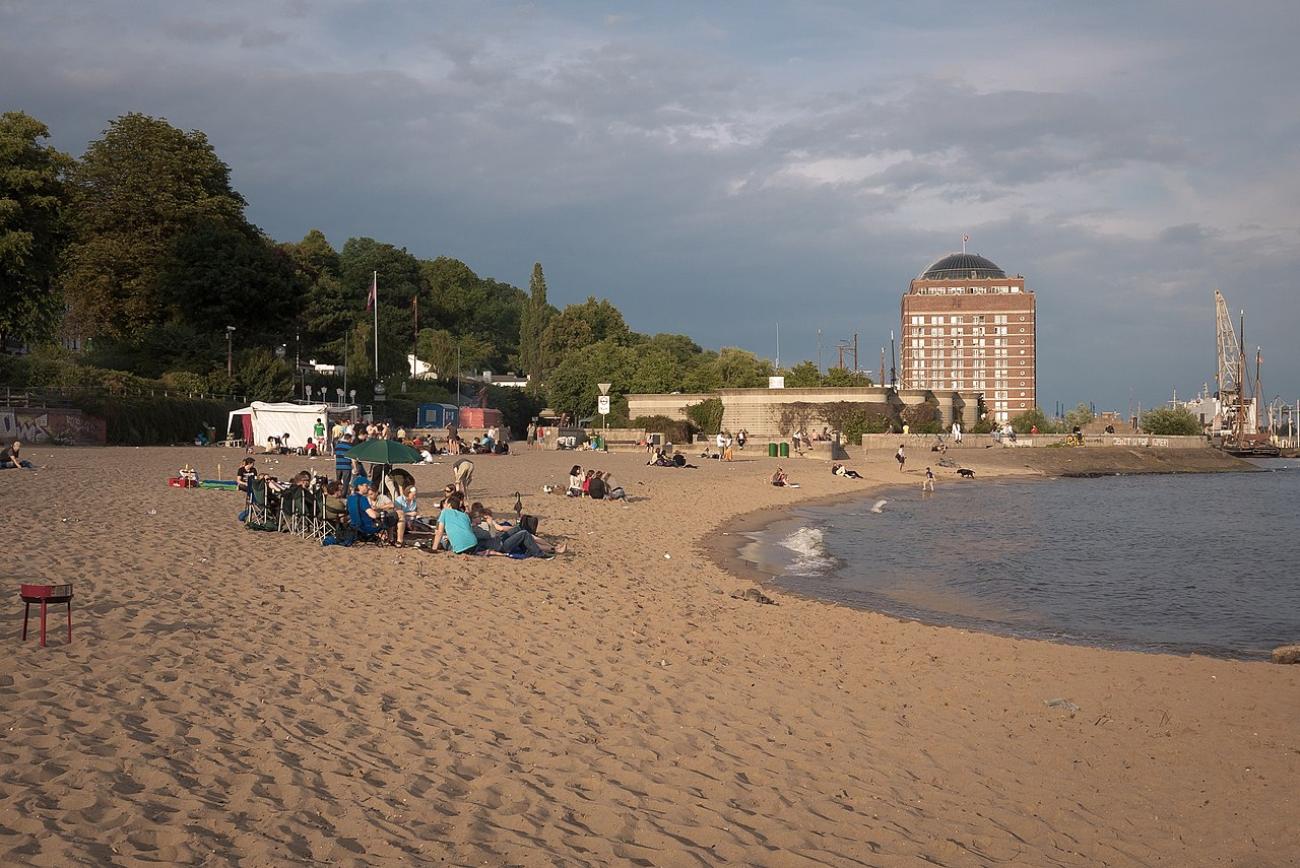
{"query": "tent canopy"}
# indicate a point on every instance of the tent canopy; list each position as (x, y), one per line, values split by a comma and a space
(276, 420)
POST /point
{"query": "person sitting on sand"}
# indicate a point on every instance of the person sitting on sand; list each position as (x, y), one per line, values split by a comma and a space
(408, 507)
(596, 486)
(841, 470)
(454, 531)
(575, 481)
(613, 491)
(779, 479)
(679, 460)
(245, 475)
(586, 483)
(335, 505)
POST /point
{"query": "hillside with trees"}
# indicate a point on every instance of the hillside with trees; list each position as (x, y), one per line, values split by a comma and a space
(140, 254)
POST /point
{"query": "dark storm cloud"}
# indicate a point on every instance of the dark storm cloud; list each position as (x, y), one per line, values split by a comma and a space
(713, 176)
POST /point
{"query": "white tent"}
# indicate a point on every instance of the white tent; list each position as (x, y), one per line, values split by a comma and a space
(276, 420)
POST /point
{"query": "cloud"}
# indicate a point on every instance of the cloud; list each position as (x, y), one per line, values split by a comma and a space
(713, 175)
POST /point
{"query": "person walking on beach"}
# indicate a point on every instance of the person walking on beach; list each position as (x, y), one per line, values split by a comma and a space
(928, 483)
(901, 457)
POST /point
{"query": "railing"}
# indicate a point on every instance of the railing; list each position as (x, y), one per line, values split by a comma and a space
(63, 396)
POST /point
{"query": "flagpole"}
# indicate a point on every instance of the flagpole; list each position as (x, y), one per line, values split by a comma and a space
(374, 282)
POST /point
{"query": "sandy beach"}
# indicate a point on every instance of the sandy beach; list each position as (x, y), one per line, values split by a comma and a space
(243, 698)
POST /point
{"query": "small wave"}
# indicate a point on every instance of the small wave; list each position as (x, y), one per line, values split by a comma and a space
(809, 548)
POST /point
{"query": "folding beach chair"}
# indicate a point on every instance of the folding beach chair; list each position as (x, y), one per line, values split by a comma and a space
(260, 514)
(293, 511)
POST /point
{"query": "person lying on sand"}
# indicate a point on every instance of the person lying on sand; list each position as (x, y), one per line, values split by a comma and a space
(502, 538)
(841, 470)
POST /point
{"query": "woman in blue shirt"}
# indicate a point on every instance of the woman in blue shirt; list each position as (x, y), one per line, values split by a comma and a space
(454, 526)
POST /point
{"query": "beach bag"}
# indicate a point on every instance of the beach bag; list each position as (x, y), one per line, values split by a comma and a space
(528, 523)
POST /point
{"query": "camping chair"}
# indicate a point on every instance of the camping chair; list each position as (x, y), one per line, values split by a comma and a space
(293, 511)
(323, 523)
(260, 514)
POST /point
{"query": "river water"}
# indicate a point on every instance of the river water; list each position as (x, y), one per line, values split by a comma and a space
(1195, 562)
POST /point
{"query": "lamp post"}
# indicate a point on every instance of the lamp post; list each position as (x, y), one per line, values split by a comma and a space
(230, 368)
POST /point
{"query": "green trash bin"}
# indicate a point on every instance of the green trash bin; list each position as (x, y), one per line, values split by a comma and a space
(771, 450)
(785, 449)
(600, 443)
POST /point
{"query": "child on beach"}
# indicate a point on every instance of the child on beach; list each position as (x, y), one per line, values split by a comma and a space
(900, 457)
(928, 483)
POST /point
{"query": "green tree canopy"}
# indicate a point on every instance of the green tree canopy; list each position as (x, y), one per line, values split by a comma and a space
(534, 318)
(32, 232)
(1078, 417)
(580, 325)
(135, 191)
(803, 376)
(1171, 421)
(218, 275)
(1030, 419)
(843, 377)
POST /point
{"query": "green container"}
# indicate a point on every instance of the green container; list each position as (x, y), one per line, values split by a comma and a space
(600, 442)
(771, 450)
(785, 449)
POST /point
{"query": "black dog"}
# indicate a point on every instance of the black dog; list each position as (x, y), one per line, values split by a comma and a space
(966, 473)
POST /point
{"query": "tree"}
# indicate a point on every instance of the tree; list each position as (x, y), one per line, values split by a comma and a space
(438, 347)
(707, 415)
(135, 191)
(264, 377)
(803, 375)
(216, 275)
(843, 378)
(571, 385)
(731, 368)
(399, 274)
(1030, 419)
(922, 418)
(314, 255)
(580, 325)
(1078, 417)
(1171, 421)
(535, 317)
(32, 229)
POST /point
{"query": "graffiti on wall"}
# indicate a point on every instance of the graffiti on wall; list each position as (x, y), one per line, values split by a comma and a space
(51, 426)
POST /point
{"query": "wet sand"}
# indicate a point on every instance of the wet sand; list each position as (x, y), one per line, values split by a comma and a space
(234, 697)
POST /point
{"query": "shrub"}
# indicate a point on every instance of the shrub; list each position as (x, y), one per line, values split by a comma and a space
(674, 430)
(146, 421)
(706, 415)
(922, 418)
(1030, 419)
(1171, 421)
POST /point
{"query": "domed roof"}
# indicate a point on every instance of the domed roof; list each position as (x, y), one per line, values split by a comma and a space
(961, 266)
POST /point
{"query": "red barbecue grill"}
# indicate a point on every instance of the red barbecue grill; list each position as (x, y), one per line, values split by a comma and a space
(45, 594)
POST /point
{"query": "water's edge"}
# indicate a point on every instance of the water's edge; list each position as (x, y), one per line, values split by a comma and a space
(735, 551)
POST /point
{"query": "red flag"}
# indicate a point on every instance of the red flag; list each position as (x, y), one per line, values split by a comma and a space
(373, 298)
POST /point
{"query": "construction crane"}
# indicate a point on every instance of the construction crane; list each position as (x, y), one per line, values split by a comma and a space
(1237, 395)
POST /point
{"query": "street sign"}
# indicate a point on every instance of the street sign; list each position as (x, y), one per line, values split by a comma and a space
(604, 388)
(603, 405)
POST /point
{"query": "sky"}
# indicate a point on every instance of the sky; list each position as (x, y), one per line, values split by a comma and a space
(719, 169)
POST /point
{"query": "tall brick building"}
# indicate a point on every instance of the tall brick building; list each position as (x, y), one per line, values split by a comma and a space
(969, 328)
